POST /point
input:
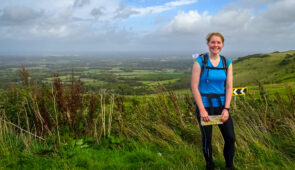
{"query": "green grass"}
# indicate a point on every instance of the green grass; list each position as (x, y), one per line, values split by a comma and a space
(115, 69)
(92, 71)
(272, 89)
(161, 76)
(265, 69)
(134, 155)
(147, 132)
(92, 82)
(106, 155)
(154, 83)
(135, 73)
(152, 136)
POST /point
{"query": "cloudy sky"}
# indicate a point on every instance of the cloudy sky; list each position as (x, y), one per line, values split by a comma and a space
(159, 26)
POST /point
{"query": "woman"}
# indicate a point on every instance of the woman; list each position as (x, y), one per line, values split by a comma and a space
(212, 90)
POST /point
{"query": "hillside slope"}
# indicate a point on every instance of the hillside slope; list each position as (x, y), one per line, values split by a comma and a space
(277, 67)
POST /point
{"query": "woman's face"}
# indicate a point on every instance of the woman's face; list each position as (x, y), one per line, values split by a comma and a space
(215, 44)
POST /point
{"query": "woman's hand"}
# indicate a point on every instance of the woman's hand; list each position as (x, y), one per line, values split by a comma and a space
(204, 115)
(225, 115)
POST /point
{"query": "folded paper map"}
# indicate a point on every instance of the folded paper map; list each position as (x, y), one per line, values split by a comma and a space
(214, 120)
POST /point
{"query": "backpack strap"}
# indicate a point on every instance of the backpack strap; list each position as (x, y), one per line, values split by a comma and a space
(224, 61)
(205, 65)
(204, 62)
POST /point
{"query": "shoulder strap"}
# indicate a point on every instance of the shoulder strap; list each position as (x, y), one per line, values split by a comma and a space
(204, 62)
(224, 61)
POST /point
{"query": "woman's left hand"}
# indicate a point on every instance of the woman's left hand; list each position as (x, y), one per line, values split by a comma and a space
(225, 115)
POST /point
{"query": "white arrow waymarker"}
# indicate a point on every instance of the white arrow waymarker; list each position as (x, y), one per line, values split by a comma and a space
(240, 91)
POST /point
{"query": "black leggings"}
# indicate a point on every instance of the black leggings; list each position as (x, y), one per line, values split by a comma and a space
(227, 130)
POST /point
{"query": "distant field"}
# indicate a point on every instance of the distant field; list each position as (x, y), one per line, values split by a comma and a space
(130, 74)
(159, 82)
(92, 71)
(122, 74)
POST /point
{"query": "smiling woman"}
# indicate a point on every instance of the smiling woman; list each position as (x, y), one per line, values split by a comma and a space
(212, 90)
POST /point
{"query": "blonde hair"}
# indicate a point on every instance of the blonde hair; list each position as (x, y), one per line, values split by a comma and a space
(209, 36)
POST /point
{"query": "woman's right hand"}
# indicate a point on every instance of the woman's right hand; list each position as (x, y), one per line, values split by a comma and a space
(204, 115)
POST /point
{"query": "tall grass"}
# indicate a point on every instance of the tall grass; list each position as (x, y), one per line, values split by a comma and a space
(156, 132)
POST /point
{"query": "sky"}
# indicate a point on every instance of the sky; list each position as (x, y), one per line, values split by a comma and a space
(145, 26)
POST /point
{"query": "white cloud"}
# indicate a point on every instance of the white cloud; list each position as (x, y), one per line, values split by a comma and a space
(159, 20)
(64, 18)
(255, 3)
(97, 12)
(81, 3)
(19, 15)
(190, 22)
(124, 12)
(87, 10)
(162, 8)
(281, 12)
(196, 23)
(179, 3)
(97, 24)
(49, 32)
(270, 29)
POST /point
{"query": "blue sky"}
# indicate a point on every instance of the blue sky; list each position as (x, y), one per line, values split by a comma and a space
(151, 22)
(163, 26)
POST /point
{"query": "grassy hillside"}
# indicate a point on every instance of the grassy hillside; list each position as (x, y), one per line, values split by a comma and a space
(103, 131)
(63, 126)
(277, 67)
